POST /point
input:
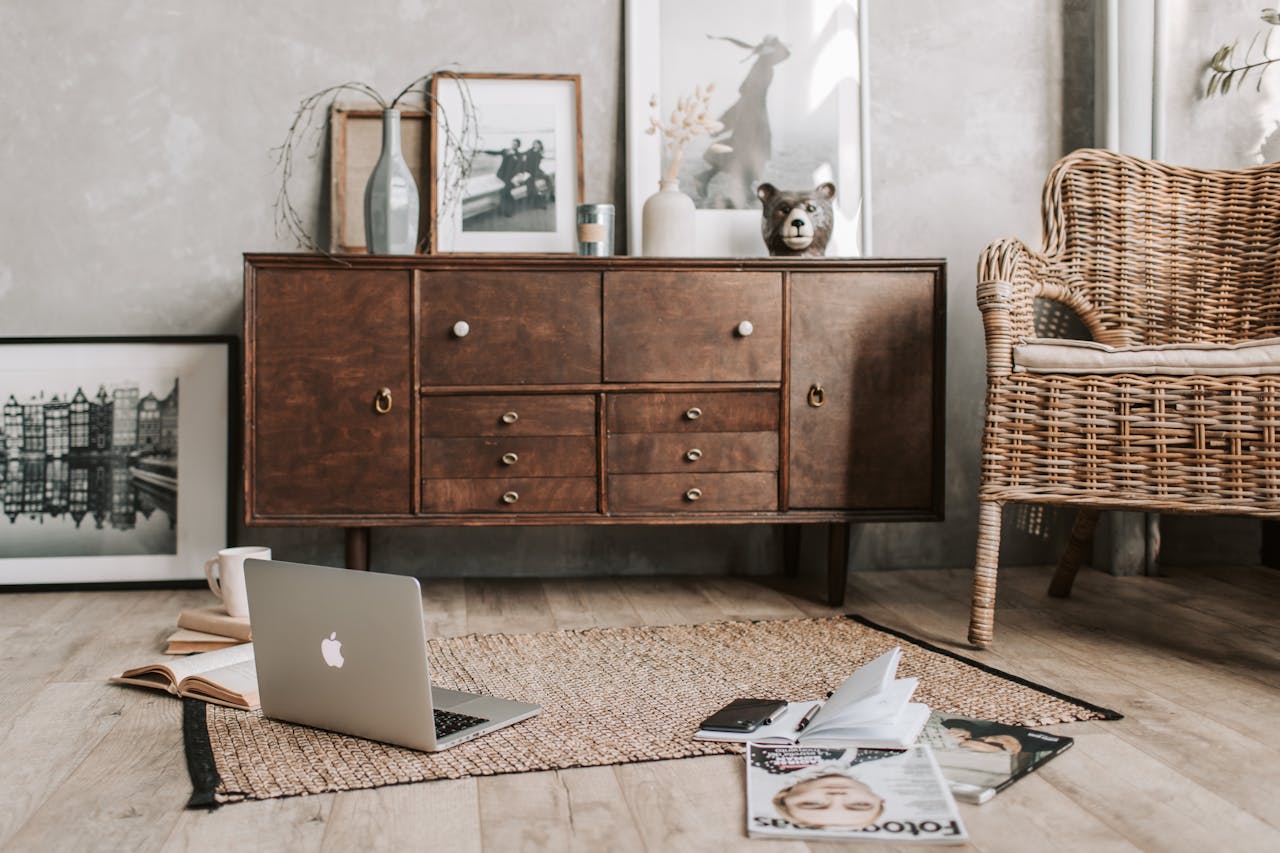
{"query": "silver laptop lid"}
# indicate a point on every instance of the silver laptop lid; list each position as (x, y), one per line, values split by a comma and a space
(341, 650)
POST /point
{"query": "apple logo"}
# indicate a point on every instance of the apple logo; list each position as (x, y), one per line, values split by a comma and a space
(331, 650)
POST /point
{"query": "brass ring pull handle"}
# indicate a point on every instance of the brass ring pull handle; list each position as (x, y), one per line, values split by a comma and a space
(693, 494)
(510, 458)
(510, 417)
(510, 497)
(382, 401)
(693, 454)
(693, 414)
(817, 396)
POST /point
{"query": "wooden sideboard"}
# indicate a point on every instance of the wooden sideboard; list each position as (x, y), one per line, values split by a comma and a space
(535, 390)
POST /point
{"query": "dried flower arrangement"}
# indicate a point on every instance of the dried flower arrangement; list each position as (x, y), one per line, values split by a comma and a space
(457, 136)
(690, 118)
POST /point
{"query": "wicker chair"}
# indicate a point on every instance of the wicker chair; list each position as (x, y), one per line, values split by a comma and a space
(1159, 262)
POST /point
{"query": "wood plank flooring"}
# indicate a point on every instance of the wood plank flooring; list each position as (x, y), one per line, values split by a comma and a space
(1191, 659)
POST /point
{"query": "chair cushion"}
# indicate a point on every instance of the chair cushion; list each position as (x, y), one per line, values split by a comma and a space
(1055, 355)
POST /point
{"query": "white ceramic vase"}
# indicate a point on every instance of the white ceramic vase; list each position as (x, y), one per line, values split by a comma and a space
(391, 197)
(667, 223)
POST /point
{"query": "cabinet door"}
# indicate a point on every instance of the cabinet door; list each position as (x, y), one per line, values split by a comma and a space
(865, 351)
(321, 346)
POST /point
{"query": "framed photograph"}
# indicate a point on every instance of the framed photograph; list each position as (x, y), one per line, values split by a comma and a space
(516, 183)
(355, 143)
(116, 457)
(789, 87)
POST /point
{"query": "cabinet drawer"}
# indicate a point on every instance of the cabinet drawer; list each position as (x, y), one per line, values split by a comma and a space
(526, 328)
(660, 453)
(522, 494)
(692, 492)
(509, 415)
(671, 326)
(694, 411)
(514, 456)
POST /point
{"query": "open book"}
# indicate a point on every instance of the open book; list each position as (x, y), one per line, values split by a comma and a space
(224, 677)
(871, 708)
(980, 758)
(851, 794)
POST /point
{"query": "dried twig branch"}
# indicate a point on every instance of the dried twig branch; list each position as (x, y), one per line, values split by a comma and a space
(307, 130)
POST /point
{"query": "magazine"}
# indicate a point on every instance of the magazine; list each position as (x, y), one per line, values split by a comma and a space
(849, 794)
(980, 758)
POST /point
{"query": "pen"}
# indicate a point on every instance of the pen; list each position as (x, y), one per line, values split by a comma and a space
(808, 718)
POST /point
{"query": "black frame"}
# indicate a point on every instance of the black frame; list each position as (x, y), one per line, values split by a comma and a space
(231, 343)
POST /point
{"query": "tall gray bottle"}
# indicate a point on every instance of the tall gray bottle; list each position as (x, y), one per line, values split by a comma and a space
(391, 197)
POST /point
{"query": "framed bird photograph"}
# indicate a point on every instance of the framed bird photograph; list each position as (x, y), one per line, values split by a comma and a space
(786, 86)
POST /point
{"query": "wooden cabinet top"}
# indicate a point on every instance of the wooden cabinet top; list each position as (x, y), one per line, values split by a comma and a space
(575, 262)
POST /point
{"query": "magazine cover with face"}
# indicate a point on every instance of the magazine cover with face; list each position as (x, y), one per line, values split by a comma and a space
(850, 794)
(979, 758)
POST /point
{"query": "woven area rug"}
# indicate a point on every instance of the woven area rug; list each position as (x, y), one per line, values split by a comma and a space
(611, 696)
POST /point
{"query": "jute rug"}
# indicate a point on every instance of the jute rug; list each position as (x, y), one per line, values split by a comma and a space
(610, 696)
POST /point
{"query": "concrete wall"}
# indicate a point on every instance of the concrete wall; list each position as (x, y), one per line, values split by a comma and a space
(137, 168)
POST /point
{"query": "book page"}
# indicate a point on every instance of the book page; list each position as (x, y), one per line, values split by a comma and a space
(207, 662)
(879, 710)
(175, 670)
(235, 684)
(867, 681)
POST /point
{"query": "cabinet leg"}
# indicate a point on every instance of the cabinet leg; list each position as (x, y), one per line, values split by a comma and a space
(791, 549)
(837, 562)
(358, 548)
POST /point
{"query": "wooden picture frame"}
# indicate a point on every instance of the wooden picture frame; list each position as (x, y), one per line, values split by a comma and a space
(499, 148)
(109, 473)
(355, 142)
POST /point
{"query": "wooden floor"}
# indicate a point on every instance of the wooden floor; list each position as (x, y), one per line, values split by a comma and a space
(1192, 660)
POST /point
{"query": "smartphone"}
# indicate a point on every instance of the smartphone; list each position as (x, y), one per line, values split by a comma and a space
(745, 715)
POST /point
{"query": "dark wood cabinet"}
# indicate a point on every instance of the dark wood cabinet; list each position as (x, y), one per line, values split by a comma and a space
(474, 390)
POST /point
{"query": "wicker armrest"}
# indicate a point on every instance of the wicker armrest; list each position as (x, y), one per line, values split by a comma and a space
(1010, 277)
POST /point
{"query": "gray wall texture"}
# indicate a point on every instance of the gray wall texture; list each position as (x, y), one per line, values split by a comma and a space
(137, 167)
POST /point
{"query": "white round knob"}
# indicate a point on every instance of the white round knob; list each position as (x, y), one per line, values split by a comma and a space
(461, 329)
(745, 328)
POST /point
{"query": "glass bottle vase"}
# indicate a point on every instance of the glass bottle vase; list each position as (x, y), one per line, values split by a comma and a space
(391, 197)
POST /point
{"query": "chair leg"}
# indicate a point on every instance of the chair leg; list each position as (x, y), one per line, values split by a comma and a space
(982, 614)
(1069, 564)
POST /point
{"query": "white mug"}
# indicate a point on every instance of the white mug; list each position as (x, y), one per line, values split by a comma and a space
(228, 583)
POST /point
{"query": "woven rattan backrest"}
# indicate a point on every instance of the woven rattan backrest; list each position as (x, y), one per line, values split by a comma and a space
(1168, 254)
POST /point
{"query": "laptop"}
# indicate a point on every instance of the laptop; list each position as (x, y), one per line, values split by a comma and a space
(346, 651)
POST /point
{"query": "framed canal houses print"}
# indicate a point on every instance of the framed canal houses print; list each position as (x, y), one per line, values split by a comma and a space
(115, 458)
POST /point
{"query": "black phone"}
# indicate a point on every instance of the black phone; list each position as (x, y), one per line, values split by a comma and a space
(745, 715)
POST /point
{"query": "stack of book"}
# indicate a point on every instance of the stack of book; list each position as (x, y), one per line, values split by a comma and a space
(206, 629)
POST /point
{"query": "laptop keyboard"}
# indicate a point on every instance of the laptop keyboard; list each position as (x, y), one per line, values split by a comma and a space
(448, 722)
